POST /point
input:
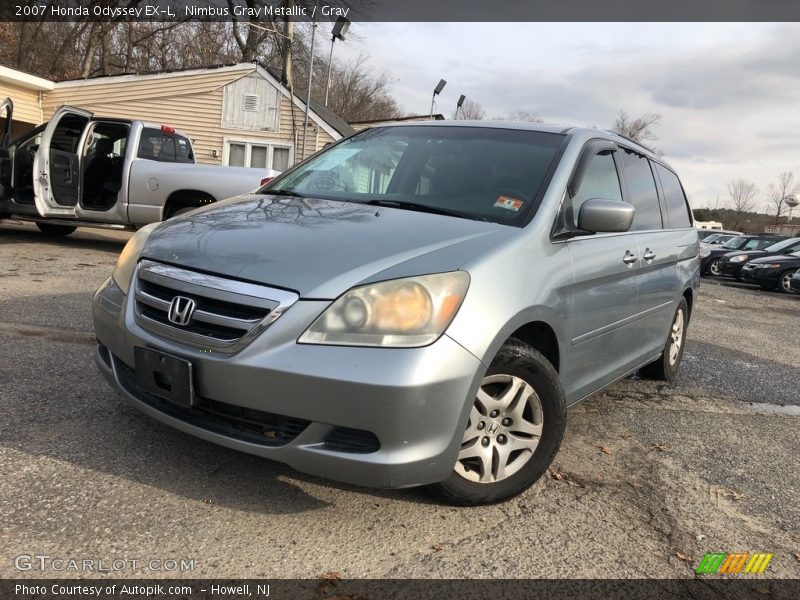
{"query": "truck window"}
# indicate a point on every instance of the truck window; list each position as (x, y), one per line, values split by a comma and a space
(156, 144)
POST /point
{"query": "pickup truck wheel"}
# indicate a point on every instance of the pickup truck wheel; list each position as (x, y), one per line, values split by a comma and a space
(51, 229)
(665, 366)
(182, 211)
(514, 430)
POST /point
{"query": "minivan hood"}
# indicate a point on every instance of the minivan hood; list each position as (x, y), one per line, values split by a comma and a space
(318, 248)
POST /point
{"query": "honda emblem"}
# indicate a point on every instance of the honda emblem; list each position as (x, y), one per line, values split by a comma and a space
(180, 310)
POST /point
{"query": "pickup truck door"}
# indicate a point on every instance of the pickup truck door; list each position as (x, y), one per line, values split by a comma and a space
(56, 166)
(6, 156)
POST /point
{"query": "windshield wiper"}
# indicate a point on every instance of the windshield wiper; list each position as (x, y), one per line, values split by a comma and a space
(405, 205)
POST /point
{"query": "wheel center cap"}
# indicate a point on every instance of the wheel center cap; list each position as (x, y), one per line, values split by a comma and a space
(493, 428)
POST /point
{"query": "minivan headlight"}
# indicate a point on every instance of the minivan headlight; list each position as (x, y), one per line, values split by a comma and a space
(400, 313)
(126, 263)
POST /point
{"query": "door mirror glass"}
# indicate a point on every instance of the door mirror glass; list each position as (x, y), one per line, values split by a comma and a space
(605, 216)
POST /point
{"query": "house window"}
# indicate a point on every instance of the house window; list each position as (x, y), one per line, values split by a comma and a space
(257, 156)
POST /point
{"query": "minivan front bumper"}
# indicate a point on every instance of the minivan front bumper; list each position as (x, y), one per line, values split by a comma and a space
(377, 417)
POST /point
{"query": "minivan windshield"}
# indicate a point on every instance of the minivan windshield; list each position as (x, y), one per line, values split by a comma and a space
(483, 173)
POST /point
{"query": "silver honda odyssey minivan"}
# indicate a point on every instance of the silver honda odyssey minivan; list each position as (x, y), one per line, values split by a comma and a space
(414, 305)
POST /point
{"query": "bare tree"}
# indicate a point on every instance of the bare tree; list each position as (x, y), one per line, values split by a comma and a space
(639, 129)
(743, 196)
(521, 116)
(470, 110)
(777, 193)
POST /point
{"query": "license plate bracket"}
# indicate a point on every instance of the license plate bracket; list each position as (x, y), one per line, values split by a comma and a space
(166, 376)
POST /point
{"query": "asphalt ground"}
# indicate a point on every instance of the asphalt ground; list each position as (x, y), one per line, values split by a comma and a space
(649, 477)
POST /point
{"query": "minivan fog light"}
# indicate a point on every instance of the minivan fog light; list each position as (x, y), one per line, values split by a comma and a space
(400, 313)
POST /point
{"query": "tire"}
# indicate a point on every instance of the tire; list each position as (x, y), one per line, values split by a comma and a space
(785, 281)
(51, 229)
(525, 379)
(712, 268)
(666, 366)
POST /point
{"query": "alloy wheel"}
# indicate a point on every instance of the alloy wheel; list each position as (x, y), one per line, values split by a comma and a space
(676, 335)
(504, 429)
(714, 269)
(786, 281)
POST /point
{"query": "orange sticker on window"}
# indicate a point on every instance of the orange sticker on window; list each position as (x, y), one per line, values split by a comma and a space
(508, 203)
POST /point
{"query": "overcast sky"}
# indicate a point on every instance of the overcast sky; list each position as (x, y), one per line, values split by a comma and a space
(729, 93)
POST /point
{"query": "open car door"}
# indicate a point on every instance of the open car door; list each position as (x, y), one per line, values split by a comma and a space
(6, 157)
(56, 166)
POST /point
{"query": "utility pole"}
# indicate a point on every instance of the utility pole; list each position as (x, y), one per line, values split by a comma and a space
(310, 80)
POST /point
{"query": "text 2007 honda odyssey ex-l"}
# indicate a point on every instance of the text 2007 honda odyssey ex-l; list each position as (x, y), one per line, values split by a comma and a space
(414, 305)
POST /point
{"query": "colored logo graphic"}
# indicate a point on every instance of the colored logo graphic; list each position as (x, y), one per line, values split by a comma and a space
(723, 563)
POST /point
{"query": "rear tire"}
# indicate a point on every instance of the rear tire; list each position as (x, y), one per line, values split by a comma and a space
(514, 430)
(59, 230)
(666, 366)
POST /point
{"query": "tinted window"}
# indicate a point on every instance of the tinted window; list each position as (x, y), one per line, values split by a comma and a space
(735, 243)
(641, 191)
(474, 172)
(674, 198)
(156, 144)
(600, 181)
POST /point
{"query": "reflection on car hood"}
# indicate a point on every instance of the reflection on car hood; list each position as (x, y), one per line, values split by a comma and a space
(744, 252)
(780, 258)
(319, 248)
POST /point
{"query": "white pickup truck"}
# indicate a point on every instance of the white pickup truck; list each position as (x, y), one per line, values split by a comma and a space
(88, 171)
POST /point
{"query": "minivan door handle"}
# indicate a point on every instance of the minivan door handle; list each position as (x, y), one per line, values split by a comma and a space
(648, 254)
(629, 258)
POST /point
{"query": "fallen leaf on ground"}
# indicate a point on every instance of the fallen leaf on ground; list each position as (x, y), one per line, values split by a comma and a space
(606, 450)
(659, 447)
(683, 557)
(556, 474)
(797, 556)
(331, 575)
(437, 547)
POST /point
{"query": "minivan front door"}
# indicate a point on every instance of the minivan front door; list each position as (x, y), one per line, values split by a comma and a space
(56, 165)
(604, 295)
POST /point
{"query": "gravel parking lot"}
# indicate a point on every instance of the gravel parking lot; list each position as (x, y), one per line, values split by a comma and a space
(649, 478)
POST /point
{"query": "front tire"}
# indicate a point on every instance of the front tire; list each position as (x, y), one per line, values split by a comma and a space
(666, 366)
(59, 230)
(785, 281)
(713, 268)
(514, 430)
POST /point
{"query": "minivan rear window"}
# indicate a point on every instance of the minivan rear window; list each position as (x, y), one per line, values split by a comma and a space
(641, 191)
(483, 173)
(674, 198)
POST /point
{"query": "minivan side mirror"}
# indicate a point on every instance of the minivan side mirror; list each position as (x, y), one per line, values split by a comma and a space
(605, 216)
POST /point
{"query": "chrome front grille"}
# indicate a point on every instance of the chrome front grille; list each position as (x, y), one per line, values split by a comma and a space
(226, 315)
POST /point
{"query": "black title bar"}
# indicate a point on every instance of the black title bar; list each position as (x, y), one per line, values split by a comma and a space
(272, 11)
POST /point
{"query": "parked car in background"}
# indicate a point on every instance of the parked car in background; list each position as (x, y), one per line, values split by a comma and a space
(414, 305)
(794, 284)
(710, 256)
(717, 239)
(88, 171)
(774, 272)
(731, 263)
